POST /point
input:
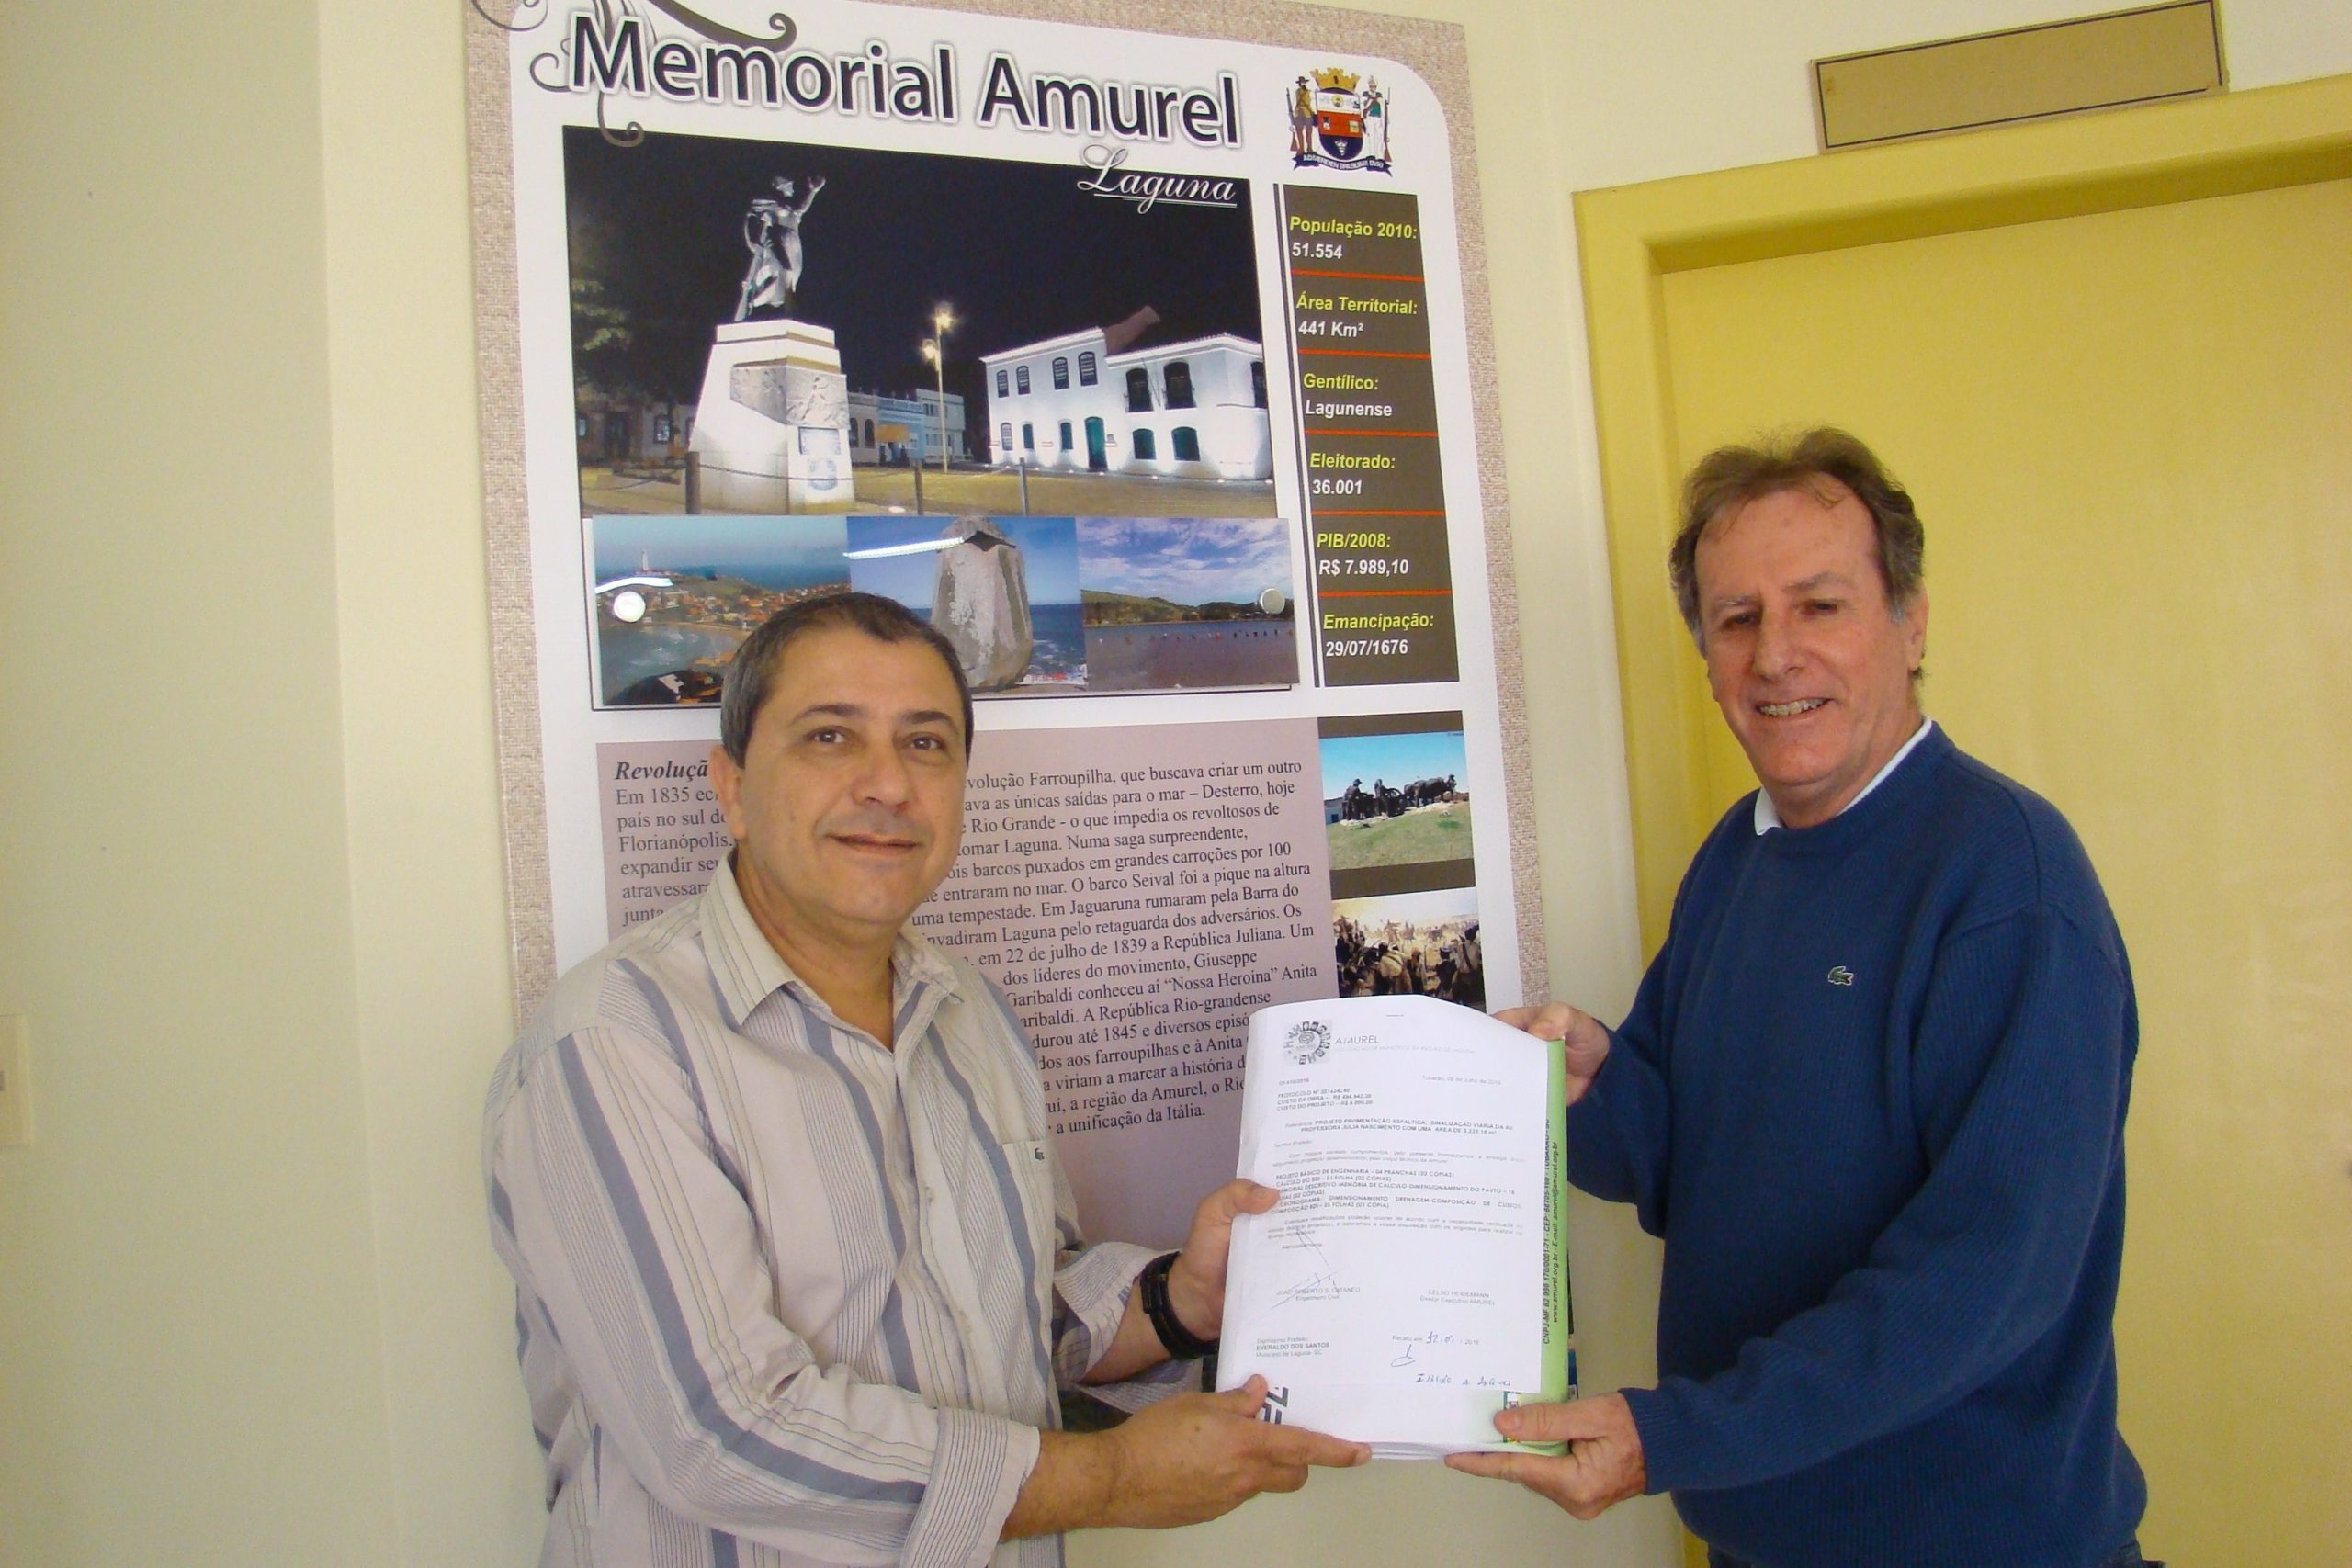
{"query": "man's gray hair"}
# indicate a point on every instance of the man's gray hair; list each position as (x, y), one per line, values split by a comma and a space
(1730, 476)
(761, 659)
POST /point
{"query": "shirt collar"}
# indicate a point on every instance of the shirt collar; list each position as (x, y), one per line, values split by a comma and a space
(1767, 815)
(747, 969)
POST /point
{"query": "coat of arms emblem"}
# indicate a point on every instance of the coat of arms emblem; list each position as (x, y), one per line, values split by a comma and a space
(1339, 120)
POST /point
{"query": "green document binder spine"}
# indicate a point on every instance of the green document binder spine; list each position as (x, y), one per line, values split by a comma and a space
(1559, 1318)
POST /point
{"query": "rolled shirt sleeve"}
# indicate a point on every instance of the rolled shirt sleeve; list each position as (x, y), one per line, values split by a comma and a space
(1092, 1284)
(1090, 1289)
(980, 1466)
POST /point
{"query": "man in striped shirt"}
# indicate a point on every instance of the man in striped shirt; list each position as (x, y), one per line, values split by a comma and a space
(797, 1274)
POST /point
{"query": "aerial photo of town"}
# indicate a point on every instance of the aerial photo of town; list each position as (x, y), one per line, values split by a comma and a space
(675, 597)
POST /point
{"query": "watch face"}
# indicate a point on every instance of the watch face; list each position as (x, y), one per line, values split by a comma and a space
(628, 604)
(1273, 600)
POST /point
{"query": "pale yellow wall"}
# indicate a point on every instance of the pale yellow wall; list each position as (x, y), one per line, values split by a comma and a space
(247, 1314)
(425, 875)
(191, 1330)
(1648, 91)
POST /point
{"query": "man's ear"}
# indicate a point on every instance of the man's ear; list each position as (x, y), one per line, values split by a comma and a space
(726, 782)
(1914, 630)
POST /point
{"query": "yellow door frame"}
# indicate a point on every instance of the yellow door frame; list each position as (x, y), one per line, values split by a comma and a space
(1633, 236)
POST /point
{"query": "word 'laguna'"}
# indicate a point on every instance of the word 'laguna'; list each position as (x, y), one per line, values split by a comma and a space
(1147, 190)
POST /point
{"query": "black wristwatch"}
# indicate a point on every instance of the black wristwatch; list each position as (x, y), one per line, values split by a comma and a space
(1180, 1343)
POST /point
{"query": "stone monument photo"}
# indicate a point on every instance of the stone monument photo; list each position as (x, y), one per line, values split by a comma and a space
(981, 603)
(771, 424)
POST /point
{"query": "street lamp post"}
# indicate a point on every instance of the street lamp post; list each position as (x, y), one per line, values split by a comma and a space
(934, 348)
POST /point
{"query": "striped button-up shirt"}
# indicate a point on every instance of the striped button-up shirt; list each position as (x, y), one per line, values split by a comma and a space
(785, 1295)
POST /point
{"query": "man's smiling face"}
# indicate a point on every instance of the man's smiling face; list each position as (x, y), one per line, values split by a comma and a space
(1808, 660)
(848, 807)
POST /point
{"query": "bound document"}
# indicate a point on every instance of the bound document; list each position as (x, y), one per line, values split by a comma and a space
(1413, 1279)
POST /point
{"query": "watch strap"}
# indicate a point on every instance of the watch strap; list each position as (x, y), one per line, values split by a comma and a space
(1180, 1343)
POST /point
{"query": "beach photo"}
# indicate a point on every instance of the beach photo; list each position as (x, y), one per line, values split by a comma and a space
(1421, 944)
(1003, 591)
(1187, 603)
(673, 597)
(773, 326)
(1396, 802)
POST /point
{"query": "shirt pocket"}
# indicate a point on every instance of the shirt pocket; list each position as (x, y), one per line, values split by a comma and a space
(1033, 1179)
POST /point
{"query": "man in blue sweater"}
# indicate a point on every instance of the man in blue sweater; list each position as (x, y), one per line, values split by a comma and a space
(1870, 1094)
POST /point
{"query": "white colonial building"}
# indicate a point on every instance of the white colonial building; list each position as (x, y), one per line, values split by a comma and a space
(1084, 400)
(883, 429)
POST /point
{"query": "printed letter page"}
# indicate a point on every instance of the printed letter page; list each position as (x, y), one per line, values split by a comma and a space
(1411, 1280)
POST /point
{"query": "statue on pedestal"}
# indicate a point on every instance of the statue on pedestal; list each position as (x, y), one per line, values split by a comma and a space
(772, 426)
(772, 233)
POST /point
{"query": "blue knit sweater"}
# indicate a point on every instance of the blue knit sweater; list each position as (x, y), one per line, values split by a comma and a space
(1871, 1095)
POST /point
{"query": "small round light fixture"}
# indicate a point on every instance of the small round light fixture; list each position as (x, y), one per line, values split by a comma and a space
(628, 606)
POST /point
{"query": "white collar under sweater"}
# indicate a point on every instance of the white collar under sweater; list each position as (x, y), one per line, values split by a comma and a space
(1767, 815)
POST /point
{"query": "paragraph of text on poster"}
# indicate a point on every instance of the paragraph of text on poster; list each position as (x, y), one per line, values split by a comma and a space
(1139, 892)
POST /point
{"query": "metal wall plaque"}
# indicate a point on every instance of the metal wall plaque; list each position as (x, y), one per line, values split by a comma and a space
(1967, 84)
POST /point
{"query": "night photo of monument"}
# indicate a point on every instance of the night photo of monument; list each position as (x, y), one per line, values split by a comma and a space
(765, 306)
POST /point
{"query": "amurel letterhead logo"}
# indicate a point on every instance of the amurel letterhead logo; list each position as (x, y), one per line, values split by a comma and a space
(1339, 120)
(1308, 1041)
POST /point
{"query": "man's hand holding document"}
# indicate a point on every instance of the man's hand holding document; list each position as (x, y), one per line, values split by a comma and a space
(1412, 1282)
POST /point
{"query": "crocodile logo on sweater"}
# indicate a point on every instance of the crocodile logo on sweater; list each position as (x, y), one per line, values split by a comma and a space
(1841, 975)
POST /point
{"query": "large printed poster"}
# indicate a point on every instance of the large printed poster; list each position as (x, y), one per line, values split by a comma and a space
(1138, 365)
